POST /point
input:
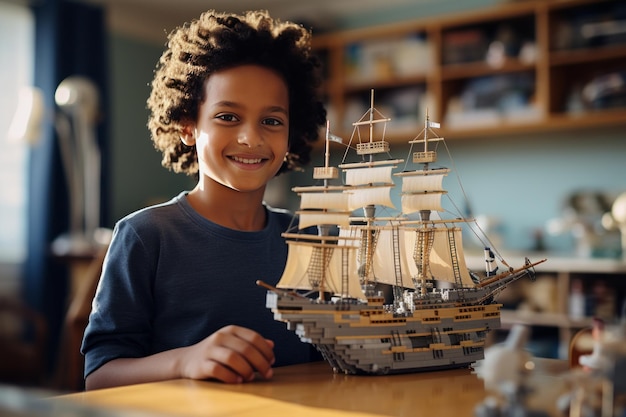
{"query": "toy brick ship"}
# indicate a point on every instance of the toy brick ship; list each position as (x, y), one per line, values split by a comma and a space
(329, 293)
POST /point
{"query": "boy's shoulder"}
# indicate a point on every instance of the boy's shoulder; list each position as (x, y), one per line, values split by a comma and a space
(153, 213)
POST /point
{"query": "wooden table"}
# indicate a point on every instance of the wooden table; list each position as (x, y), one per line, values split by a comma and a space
(303, 390)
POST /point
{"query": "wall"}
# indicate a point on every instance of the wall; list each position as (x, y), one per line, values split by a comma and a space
(418, 10)
(138, 178)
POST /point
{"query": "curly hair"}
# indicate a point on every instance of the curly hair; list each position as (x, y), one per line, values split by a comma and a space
(217, 41)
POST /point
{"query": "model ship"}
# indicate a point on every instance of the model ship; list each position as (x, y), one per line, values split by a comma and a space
(437, 313)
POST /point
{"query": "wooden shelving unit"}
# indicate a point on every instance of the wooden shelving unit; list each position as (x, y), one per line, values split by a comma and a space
(546, 62)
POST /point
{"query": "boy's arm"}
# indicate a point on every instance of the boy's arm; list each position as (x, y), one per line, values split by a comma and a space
(232, 354)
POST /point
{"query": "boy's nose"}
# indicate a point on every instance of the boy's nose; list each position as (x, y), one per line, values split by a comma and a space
(250, 136)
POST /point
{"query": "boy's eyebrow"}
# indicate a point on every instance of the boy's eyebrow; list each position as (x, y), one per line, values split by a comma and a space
(232, 104)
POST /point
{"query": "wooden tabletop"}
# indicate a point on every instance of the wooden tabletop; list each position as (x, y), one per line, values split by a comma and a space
(309, 390)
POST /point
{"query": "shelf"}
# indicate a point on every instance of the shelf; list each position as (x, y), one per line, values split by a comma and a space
(556, 122)
(391, 82)
(531, 318)
(546, 69)
(587, 55)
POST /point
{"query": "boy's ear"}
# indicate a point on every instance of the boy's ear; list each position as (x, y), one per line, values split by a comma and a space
(187, 136)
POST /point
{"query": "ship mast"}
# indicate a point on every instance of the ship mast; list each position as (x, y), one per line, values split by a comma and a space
(367, 179)
(426, 232)
(325, 173)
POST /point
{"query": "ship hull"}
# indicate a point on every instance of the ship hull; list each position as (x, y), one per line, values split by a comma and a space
(360, 338)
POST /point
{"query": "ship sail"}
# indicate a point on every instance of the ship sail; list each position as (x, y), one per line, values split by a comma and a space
(370, 196)
(373, 175)
(446, 258)
(324, 201)
(385, 266)
(422, 190)
(308, 219)
(308, 265)
(319, 205)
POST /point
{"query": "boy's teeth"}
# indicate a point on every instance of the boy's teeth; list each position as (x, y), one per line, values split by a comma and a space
(246, 160)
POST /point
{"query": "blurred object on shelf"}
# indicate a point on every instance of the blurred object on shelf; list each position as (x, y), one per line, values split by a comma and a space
(611, 31)
(528, 52)
(491, 43)
(615, 219)
(575, 103)
(582, 217)
(606, 91)
(388, 58)
(594, 25)
(598, 297)
(604, 300)
(461, 46)
(577, 300)
(491, 100)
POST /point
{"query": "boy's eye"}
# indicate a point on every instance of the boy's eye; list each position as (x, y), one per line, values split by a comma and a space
(272, 122)
(227, 117)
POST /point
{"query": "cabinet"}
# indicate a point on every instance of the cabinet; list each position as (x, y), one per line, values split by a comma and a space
(519, 67)
(547, 304)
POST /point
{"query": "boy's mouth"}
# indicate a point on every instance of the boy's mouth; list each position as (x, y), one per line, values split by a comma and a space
(246, 160)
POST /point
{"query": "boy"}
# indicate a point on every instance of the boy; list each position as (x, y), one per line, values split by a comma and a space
(234, 103)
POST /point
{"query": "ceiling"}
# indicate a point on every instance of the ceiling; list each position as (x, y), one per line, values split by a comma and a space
(153, 19)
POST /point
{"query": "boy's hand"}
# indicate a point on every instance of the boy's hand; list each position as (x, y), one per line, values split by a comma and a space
(232, 354)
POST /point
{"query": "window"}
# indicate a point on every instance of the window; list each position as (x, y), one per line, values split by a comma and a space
(17, 54)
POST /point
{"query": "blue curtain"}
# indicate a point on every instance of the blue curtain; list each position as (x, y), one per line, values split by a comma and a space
(70, 39)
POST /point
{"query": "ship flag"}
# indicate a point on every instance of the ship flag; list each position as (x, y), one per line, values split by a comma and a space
(335, 138)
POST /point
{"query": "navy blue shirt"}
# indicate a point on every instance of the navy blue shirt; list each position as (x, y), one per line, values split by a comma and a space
(171, 278)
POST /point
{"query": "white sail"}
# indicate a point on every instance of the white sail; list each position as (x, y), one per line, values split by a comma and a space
(295, 274)
(441, 265)
(422, 183)
(384, 266)
(314, 218)
(416, 202)
(336, 201)
(361, 197)
(370, 175)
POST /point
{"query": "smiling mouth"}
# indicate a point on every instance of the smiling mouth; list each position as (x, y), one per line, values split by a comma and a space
(250, 161)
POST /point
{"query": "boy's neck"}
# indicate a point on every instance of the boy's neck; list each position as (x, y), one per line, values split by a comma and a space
(229, 208)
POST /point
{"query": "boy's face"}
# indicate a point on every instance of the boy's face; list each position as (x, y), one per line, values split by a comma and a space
(242, 130)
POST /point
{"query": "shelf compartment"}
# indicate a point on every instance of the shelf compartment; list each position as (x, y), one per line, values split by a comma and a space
(580, 89)
(492, 41)
(386, 60)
